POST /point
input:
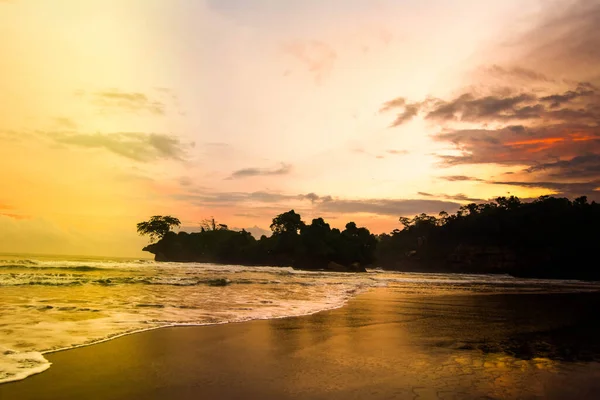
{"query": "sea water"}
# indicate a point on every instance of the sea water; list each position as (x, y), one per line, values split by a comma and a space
(52, 303)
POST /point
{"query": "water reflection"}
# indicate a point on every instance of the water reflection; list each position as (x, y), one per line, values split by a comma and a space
(502, 346)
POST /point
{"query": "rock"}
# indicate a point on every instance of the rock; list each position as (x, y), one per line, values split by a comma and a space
(160, 257)
(335, 267)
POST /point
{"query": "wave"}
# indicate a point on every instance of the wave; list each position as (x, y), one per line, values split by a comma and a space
(18, 262)
(27, 279)
(16, 365)
(79, 268)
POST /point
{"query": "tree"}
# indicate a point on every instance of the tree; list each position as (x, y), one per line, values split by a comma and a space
(287, 223)
(157, 227)
(212, 225)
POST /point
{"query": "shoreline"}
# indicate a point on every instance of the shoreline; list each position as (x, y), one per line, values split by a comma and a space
(379, 343)
(171, 325)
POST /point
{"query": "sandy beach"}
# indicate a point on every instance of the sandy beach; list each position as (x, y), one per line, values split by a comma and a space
(381, 345)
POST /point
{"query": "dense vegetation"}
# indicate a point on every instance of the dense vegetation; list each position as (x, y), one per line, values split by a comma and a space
(314, 246)
(549, 237)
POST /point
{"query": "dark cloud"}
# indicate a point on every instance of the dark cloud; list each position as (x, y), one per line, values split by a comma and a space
(311, 196)
(468, 107)
(279, 202)
(538, 144)
(248, 215)
(387, 207)
(457, 197)
(579, 167)
(527, 107)
(461, 197)
(557, 100)
(409, 110)
(127, 101)
(564, 188)
(234, 198)
(137, 146)
(459, 178)
(284, 169)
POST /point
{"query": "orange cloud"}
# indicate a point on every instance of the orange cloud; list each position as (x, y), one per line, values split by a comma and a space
(15, 216)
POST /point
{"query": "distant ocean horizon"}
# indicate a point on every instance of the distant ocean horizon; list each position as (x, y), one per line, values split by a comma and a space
(59, 256)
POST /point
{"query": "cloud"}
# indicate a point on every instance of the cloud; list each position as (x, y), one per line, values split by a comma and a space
(397, 152)
(544, 117)
(460, 178)
(461, 197)
(567, 41)
(409, 110)
(185, 181)
(398, 102)
(457, 197)
(4, 211)
(324, 204)
(311, 196)
(565, 188)
(524, 106)
(556, 100)
(137, 146)
(127, 101)
(359, 150)
(317, 56)
(584, 166)
(387, 207)
(234, 198)
(284, 169)
(248, 215)
(517, 72)
(469, 107)
(15, 216)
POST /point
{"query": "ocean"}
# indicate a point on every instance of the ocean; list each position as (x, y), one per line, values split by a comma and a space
(52, 303)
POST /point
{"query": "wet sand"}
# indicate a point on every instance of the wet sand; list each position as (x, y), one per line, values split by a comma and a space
(382, 345)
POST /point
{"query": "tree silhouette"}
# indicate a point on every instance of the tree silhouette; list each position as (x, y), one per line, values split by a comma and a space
(287, 223)
(548, 237)
(157, 227)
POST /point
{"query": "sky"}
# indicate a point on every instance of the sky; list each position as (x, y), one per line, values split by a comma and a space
(112, 111)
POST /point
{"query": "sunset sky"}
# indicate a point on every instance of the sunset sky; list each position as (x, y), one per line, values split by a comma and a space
(112, 111)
